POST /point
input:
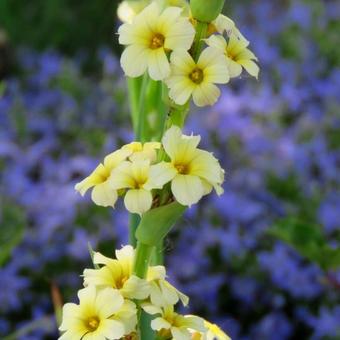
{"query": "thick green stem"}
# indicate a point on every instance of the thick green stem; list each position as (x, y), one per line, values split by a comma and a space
(134, 87)
(142, 259)
(140, 135)
(134, 220)
(201, 34)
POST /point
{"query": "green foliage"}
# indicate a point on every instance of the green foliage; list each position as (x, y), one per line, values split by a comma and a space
(2, 88)
(12, 224)
(308, 240)
(63, 24)
(156, 223)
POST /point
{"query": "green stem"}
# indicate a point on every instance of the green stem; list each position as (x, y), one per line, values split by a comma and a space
(142, 259)
(134, 87)
(201, 34)
(140, 136)
(134, 220)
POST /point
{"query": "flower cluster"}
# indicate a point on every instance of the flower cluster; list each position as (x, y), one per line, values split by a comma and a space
(107, 306)
(164, 43)
(136, 172)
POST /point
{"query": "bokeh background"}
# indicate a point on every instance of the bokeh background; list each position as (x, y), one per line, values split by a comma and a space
(261, 260)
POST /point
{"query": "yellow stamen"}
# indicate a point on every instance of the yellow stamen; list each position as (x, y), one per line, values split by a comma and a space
(157, 41)
(196, 75)
(182, 169)
(93, 323)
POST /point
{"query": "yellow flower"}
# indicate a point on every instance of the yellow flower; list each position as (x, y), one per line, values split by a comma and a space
(196, 171)
(139, 178)
(172, 324)
(197, 79)
(162, 293)
(150, 36)
(102, 193)
(237, 54)
(118, 274)
(142, 151)
(96, 316)
(224, 24)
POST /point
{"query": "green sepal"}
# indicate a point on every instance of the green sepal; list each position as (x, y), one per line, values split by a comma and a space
(206, 11)
(156, 223)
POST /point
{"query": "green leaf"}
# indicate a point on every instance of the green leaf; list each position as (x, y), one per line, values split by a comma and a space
(156, 223)
(12, 224)
(305, 238)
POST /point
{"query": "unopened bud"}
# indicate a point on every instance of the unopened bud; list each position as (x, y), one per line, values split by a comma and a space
(206, 10)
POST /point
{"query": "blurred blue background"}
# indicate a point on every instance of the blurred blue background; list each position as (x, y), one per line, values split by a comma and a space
(261, 260)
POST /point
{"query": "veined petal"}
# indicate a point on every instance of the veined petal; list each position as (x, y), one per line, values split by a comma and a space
(111, 329)
(247, 54)
(136, 288)
(151, 309)
(218, 42)
(187, 189)
(180, 35)
(167, 19)
(180, 333)
(217, 73)
(250, 67)
(235, 69)
(121, 177)
(108, 302)
(206, 94)
(87, 296)
(134, 34)
(158, 64)
(138, 201)
(103, 195)
(70, 312)
(206, 166)
(182, 62)
(160, 323)
(179, 147)
(181, 88)
(129, 57)
(210, 56)
(97, 176)
(159, 175)
(115, 158)
(140, 170)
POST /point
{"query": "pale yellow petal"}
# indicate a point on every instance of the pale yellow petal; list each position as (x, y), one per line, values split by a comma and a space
(111, 329)
(182, 62)
(136, 288)
(151, 309)
(108, 302)
(158, 64)
(121, 177)
(70, 312)
(98, 175)
(103, 195)
(217, 73)
(206, 94)
(218, 42)
(250, 67)
(134, 60)
(180, 35)
(159, 175)
(181, 88)
(187, 189)
(115, 158)
(160, 323)
(210, 56)
(235, 69)
(138, 201)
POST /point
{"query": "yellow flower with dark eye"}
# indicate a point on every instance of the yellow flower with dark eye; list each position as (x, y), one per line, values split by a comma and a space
(196, 171)
(237, 54)
(151, 34)
(139, 178)
(97, 316)
(102, 192)
(197, 79)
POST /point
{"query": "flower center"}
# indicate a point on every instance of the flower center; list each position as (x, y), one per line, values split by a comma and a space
(182, 169)
(230, 55)
(120, 282)
(93, 323)
(157, 41)
(196, 75)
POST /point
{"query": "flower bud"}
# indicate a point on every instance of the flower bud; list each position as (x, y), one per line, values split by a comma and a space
(206, 11)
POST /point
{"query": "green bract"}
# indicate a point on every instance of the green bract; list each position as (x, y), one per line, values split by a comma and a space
(206, 11)
(156, 223)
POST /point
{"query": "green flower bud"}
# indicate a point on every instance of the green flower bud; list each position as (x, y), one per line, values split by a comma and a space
(206, 10)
